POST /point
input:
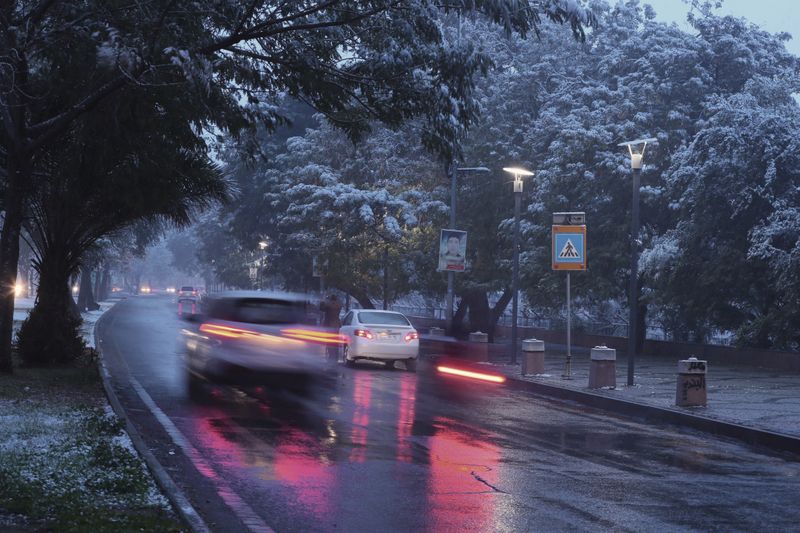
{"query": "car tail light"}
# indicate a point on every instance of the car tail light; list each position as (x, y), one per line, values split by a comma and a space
(364, 334)
(412, 336)
(227, 332)
(470, 374)
(313, 335)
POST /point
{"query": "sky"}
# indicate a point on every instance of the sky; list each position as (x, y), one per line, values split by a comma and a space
(772, 15)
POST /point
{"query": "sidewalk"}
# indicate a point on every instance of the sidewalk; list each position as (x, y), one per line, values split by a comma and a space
(758, 398)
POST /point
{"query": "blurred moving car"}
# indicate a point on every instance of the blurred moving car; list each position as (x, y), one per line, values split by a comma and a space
(257, 338)
(384, 336)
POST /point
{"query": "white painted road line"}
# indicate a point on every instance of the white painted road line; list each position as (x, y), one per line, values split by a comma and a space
(228, 495)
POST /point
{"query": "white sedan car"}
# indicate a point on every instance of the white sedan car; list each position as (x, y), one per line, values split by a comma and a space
(379, 336)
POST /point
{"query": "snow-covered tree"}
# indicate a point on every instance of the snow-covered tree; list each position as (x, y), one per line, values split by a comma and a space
(353, 60)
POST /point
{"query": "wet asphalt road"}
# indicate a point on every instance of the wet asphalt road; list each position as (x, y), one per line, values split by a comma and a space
(381, 450)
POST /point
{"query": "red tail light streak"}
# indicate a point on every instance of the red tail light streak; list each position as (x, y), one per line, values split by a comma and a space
(493, 378)
(227, 331)
(312, 335)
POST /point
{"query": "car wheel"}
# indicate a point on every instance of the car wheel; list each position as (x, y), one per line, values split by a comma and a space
(346, 354)
(389, 364)
(195, 387)
(411, 365)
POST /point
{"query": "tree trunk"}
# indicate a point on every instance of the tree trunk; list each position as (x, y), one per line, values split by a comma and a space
(498, 310)
(362, 298)
(98, 282)
(105, 284)
(85, 296)
(55, 292)
(479, 313)
(458, 328)
(50, 335)
(641, 327)
(14, 201)
(83, 290)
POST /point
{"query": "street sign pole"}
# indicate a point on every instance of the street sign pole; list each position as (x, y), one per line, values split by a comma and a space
(568, 367)
(569, 253)
(450, 274)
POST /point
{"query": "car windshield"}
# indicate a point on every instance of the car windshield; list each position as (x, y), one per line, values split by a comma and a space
(382, 319)
(261, 311)
(187, 289)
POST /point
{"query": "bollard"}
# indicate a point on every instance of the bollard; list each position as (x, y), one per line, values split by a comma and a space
(532, 356)
(603, 368)
(479, 346)
(439, 332)
(691, 389)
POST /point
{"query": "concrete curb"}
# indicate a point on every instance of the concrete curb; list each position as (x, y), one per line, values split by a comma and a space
(179, 501)
(652, 413)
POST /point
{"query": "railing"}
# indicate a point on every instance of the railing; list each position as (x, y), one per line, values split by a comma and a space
(617, 329)
(421, 312)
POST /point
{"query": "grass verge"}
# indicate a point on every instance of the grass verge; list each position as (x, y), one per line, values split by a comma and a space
(65, 462)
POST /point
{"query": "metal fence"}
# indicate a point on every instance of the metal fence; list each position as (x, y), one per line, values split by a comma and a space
(614, 329)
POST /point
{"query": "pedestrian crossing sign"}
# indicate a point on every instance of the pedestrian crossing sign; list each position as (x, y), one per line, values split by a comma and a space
(569, 247)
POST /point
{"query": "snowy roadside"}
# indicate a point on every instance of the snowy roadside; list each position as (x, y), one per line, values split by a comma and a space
(65, 460)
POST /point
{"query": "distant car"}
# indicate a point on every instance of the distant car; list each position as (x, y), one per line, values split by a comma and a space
(384, 336)
(188, 292)
(255, 338)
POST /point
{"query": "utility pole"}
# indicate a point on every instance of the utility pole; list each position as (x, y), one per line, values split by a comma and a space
(451, 170)
(385, 276)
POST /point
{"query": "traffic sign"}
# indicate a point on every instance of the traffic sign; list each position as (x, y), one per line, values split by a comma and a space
(569, 247)
(571, 218)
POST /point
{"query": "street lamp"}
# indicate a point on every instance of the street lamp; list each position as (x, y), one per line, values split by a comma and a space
(636, 150)
(262, 245)
(518, 173)
(453, 171)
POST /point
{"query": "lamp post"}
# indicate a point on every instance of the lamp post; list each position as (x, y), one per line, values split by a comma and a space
(453, 171)
(262, 245)
(518, 173)
(636, 150)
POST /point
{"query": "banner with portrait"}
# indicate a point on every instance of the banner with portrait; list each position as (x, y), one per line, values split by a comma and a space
(452, 250)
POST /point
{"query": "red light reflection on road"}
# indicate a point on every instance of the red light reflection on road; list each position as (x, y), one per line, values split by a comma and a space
(405, 416)
(361, 397)
(300, 464)
(463, 465)
(225, 451)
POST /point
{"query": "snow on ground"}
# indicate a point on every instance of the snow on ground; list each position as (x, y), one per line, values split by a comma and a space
(90, 318)
(56, 446)
(22, 307)
(24, 303)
